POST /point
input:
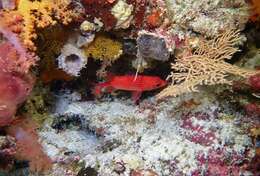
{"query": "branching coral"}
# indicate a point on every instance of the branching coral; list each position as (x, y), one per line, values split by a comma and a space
(206, 66)
(43, 13)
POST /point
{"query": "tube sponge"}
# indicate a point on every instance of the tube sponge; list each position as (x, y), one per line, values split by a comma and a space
(72, 60)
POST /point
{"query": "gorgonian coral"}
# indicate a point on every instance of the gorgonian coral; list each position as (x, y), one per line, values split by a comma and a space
(206, 66)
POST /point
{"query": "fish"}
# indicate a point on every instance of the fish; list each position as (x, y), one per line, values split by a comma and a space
(135, 84)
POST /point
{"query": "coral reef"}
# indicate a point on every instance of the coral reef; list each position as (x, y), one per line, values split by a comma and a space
(39, 14)
(57, 57)
(7, 152)
(10, 28)
(206, 66)
(28, 148)
(254, 82)
(104, 48)
(128, 142)
(123, 14)
(72, 59)
(256, 10)
(208, 17)
(151, 46)
(8, 4)
(16, 90)
(101, 9)
(38, 104)
(49, 44)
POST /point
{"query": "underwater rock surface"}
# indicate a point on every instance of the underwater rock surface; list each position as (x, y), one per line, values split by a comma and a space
(117, 137)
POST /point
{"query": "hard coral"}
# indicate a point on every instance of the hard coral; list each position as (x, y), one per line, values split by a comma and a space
(123, 13)
(208, 17)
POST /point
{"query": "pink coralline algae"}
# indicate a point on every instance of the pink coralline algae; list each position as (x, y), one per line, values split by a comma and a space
(220, 160)
(197, 133)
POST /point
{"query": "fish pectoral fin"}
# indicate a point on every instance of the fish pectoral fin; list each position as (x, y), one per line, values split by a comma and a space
(136, 96)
